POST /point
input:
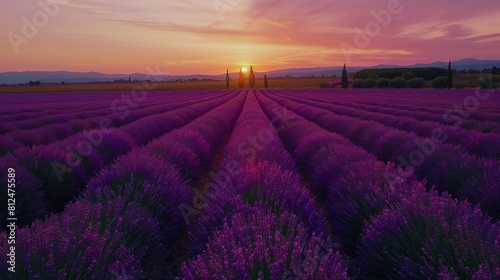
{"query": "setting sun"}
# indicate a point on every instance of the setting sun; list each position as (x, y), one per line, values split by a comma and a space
(244, 69)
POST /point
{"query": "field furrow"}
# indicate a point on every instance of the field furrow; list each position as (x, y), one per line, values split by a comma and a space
(449, 114)
(378, 211)
(251, 184)
(45, 134)
(474, 142)
(62, 169)
(449, 168)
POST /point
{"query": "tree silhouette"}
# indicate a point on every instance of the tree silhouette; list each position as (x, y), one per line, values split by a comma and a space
(227, 78)
(266, 85)
(251, 78)
(450, 76)
(344, 77)
(241, 79)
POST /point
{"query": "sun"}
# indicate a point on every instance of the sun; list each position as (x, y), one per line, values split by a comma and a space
(244, 69)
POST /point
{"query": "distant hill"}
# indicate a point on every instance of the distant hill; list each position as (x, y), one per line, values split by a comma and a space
(303, 72)
(89, 77)
(467, 63)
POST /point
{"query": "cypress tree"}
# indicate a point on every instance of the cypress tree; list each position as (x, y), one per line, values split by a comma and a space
(241, 79)
(227, 78)
(251, 78)
(450, 76)
(266, 85)
(344, 78)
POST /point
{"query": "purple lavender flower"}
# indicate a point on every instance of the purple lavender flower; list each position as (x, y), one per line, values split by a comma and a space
(263, 246)
(426, 235)
(265, 186)
(362, 191)
(59, 181)
(147, 181)
(484, 190)
(30, 200)
(178, 154)
(196, 141)
(88, 240)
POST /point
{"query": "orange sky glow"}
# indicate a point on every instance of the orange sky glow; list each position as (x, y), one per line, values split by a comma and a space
(207, 37)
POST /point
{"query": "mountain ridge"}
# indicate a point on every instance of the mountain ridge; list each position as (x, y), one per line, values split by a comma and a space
(16, 77)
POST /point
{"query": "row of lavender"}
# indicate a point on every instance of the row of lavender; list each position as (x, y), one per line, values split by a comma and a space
(427, 101)
(255, 220)
(393, 228)
(44, 127)
(84, 105)
(474, 142)
(469, 105)
(28, 110)
(447, 167)
(447, 115)
(54, 174)
(434, 100)
(127, 220)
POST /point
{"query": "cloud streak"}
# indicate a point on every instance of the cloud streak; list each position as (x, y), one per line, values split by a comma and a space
(125, 36)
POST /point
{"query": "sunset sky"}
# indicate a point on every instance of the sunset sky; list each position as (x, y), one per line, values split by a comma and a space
(208, 36)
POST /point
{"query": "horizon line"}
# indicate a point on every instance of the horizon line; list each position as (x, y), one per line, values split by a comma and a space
(224, 72)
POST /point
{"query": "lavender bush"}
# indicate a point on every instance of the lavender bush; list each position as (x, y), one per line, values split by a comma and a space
(263, 246)
(98, 240)
(428, 234)
(148, 182)
(31, 203)
(263, 186)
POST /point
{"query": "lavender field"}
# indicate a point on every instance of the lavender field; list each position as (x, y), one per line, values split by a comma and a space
(253, 184)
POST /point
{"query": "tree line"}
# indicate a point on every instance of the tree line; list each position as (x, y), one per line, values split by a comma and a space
(242, 79)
